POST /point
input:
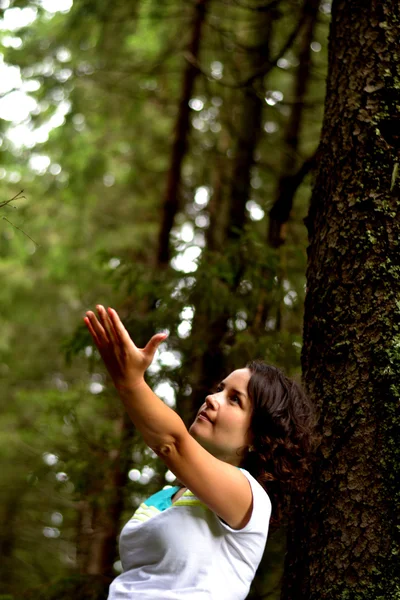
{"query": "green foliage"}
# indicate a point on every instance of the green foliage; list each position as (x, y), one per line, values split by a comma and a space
(114, 70)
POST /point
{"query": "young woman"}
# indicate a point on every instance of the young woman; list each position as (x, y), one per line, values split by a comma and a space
(247, 448)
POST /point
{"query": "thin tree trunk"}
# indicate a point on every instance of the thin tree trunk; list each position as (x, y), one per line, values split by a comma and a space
(344, 537)
(99, 526)
(210, 326)
(218, 207)
(102, 523)
(287, 183)
(170, 202)
(84, 528)
(7, 535)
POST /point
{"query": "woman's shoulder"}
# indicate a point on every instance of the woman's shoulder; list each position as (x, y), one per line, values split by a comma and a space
(261, 509)
(261, 500)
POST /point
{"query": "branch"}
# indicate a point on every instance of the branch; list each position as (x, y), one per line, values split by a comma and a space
(16, 197)
(280, 211)
(265, 69)
(6, 203)
(261, 71)
(19, 229)
(258, 8)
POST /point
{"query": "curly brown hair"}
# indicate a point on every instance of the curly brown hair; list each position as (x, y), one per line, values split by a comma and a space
(284, 438)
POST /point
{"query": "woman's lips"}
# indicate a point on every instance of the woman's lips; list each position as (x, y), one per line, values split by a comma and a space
(204, 418)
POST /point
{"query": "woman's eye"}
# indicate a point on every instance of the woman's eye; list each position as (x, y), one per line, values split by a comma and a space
(236, 399)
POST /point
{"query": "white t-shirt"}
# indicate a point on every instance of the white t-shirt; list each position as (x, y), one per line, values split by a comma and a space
(184, 550)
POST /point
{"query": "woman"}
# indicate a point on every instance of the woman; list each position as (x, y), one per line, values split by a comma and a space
(246, 449)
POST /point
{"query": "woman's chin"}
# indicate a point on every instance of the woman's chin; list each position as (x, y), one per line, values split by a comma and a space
(193, 430)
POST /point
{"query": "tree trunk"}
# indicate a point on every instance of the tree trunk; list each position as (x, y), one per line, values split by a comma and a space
(99, 517)
(218, 206)
(344, 537)
(99, 525)
(10, 510)
(171, 198)
(210, 326)
(288, 182)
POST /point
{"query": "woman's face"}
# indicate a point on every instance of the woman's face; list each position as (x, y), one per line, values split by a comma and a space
(229, 412)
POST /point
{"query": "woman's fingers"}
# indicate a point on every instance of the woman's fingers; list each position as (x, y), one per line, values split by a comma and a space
(100, 333)
(152, 345)
(108, 328)
(92, 331)
(107, 324)
(119, 327)
(124, 361)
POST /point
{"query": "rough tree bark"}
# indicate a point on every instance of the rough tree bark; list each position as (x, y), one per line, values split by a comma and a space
(344, 539)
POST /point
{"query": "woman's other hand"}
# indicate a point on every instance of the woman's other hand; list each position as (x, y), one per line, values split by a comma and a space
(125, 362)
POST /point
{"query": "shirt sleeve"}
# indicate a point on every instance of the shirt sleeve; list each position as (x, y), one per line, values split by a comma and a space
(261, 512)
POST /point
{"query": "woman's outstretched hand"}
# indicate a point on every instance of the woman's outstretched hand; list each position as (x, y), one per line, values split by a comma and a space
(125, 362)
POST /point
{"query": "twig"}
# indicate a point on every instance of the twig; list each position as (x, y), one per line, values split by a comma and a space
(261, 71)
(16, 197)
(6, 203)
(38, 245)
(257, 8)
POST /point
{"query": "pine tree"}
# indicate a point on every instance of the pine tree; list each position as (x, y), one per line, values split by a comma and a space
(344, 541)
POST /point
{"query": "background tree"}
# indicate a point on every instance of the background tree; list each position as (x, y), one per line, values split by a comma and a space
(104, 86)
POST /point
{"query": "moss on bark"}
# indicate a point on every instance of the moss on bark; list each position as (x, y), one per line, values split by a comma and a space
(344, 540)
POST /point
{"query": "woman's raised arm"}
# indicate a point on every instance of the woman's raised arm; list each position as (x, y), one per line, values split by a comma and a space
(221, 486)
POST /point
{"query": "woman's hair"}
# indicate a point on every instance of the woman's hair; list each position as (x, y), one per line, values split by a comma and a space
(284, 438)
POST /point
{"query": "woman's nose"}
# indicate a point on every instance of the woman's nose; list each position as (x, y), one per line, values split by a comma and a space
(212, 402)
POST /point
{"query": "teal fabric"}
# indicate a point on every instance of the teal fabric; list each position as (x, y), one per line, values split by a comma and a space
(162, 499)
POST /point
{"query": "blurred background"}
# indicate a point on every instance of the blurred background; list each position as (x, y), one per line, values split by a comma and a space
(156, 157)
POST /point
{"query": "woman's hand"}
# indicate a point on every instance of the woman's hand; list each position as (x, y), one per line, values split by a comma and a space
(125, 362)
